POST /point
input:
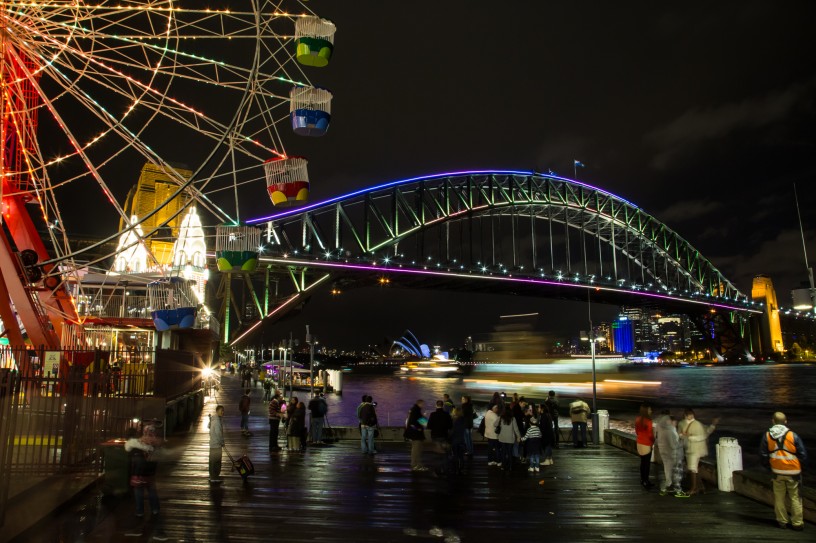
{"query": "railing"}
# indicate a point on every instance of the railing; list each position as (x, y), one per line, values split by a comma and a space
(54, 422)
(115, 306)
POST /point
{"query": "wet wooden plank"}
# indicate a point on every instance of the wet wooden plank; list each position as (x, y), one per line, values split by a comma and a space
(336, 494)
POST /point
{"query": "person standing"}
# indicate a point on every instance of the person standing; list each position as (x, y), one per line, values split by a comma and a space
(415, 432)
(457, 442)
(644, 430)
(509, 436)
(467, 415)
(783, 451)
(440, 424)
(491, 420)
(297, 426)
(143, 477)
(447, 403)
(318, 408)
(368, 426)
(671, 455)
(216, 444)
(262, 379)
(695, 441)
(578, 414)
(551, 404)
(243, 407)
(547, 435)
(532, 440)
(274, 422)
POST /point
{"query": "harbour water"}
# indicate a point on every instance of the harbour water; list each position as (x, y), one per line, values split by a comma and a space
(742, 397)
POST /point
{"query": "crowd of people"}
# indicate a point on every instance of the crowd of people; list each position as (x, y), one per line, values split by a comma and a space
(519, 435)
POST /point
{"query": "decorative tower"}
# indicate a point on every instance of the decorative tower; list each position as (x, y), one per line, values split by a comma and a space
(770, 332)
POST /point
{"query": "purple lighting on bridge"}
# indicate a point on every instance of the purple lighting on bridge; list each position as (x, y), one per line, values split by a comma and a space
(316, 205)
(543, 282)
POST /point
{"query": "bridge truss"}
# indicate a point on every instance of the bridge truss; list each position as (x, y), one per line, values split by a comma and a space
(496, 231)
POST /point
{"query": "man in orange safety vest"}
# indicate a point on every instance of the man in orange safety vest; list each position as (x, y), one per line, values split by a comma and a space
(784, 453)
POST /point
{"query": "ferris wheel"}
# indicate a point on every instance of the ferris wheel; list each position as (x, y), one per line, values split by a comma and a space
(91, 91)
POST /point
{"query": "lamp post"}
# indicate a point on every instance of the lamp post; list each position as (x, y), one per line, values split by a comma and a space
(310, 341)
(591, 337)
(283, 349)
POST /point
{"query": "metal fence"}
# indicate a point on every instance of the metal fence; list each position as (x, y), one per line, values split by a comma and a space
(56, 422)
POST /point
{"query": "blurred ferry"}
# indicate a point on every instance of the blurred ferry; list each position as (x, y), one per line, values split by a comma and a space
(517, 356)
(436, 367)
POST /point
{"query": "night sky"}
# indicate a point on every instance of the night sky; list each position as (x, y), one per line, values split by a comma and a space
(701, 113)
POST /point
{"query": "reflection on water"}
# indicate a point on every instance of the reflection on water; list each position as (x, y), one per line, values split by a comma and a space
(764, 388)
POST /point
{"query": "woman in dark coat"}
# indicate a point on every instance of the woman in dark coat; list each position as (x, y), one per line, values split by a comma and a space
(415, 433)
(297, 425)
(468, 415)
(545, 422)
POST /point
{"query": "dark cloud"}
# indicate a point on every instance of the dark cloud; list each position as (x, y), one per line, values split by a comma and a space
(781, 258)
(691, 210)
(703, 125)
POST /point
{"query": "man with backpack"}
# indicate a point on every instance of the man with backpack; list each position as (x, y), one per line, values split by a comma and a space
(317, 409)
(368, 425)
(783, 452)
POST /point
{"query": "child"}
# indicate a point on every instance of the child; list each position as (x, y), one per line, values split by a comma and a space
(533, 440)
(138, 451)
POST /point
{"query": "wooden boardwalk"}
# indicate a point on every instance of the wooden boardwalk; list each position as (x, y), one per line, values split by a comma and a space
(336, 494)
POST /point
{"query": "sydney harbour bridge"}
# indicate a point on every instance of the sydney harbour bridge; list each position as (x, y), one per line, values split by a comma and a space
(507, 232)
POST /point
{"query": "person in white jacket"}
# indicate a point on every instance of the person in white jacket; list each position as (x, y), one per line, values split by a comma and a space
(491, 418)
(671, 454)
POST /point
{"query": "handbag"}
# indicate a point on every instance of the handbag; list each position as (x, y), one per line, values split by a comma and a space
(138, 480)
(376, 433)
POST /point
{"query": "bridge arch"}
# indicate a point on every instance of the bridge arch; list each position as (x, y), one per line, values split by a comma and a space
(517, 225)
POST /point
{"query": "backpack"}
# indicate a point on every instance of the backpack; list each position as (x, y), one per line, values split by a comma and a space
(322, 407)
(368, 415)
(482, 427)
(244, 404)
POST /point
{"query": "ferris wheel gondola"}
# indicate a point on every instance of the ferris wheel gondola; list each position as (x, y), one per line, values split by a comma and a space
(91, 91)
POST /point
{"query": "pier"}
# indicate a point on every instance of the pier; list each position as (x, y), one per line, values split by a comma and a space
(334, 493)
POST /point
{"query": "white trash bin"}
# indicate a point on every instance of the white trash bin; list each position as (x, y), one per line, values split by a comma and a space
(729, 460)
(603, 423)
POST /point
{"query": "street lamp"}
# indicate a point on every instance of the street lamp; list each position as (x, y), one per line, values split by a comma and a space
(283, 375)
(591, 338)
(310, 341)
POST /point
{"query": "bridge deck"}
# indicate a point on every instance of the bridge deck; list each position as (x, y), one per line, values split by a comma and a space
(333, 493)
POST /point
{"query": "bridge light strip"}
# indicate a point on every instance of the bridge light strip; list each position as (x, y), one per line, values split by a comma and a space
(381, 269)
(298, 210)
(288, 301)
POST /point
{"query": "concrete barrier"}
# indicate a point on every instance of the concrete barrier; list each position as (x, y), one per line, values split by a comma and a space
(751, 483)
(756, 484)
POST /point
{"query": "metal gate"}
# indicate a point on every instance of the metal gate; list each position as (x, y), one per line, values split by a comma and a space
(54, 424)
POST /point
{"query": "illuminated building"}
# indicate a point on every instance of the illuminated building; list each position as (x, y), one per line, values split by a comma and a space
(155, 186)
(623, 336)
(770, 330)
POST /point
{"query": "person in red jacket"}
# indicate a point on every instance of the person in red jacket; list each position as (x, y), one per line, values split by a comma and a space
(784, 453)
(645, 442)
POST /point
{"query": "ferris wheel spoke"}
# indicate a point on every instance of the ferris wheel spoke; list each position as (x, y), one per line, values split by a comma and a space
(116, 80)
